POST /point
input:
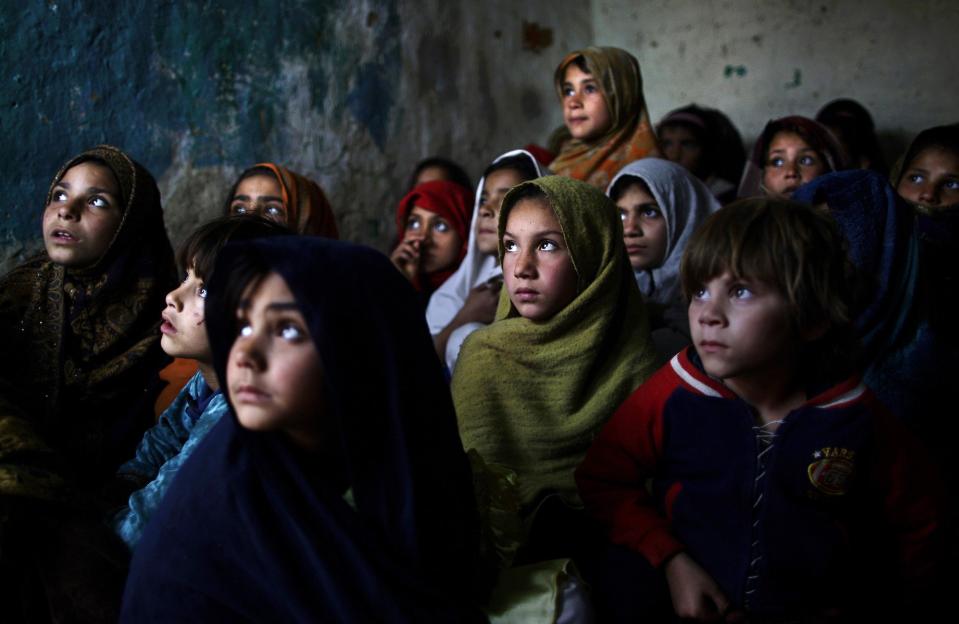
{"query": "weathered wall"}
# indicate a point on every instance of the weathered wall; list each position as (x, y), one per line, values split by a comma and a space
(759, 59)
(349, 93)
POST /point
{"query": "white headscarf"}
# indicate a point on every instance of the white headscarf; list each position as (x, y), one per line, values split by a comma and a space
(685, 202)
(475, 269)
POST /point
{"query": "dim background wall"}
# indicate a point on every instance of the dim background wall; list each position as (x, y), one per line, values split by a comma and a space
(354, 93)
(761, 59)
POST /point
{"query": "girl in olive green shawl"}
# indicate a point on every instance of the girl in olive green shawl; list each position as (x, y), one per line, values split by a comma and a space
(79, 325)
(569, 344)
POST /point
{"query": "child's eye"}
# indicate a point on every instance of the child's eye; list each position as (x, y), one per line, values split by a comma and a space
(441, 226)
(952, 185)
(509, 245)
(701, 295)
(413, 224)
(99, 202)
(741, 292)
(652, 213)
(568, 91)
(245, 330)
(59, 196)
(290, 331)
(238, 209)
(775, 162)
(591, 88)
(274, 211)
(201, 292)
(623, 215)
(808, 161)
(548, 245)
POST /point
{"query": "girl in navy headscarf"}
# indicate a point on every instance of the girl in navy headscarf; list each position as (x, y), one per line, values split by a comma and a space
(339, 490)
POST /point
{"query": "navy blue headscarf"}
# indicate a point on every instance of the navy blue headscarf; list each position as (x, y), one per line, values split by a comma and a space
(904, 360)
(255, 529)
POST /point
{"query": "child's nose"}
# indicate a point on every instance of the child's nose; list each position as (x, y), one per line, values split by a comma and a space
(247, 353)
(173, 299)
(928, 195)
(69, 209)
(525, 265)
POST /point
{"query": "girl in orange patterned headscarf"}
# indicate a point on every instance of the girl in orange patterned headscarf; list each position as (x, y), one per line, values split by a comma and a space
(276, 193)
(607, 125)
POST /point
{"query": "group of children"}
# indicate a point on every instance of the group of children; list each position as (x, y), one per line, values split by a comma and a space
(628, 399)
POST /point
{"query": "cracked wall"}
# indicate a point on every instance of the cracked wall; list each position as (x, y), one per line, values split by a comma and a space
(351, 94)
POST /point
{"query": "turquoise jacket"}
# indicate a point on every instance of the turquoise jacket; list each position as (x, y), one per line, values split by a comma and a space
(164, 448)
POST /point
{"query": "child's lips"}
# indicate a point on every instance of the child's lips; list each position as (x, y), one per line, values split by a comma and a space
(526, 294)
(167, 327)
(711, 346)
(60, 235)
(251, 395)
(635, 249)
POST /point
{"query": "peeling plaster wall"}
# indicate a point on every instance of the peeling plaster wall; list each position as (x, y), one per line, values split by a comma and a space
(352, 94)
(760, 59)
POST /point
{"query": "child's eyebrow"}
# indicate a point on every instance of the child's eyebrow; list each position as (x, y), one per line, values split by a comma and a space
(90, 189)
(536, 234)
(276, 305)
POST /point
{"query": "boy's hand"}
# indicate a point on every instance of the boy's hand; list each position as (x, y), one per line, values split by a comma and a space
(480, 304)
(406, 257)
(695, 594)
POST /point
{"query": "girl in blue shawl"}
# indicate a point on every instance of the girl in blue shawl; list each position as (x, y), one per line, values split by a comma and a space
(908, 357)
(338, 489)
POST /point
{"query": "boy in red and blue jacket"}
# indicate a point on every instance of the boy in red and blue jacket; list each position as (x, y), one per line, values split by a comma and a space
(754, 469)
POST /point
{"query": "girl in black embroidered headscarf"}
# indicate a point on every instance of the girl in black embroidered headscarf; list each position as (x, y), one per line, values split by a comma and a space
(338, 490)
(79, 328)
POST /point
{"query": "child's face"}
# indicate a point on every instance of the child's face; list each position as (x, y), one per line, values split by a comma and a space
(790, 163)
(438, 242)
(584, 108)
(681, 146)
(495, 187)
(83, 215)
(274, 374)
(741, 329)
(537, 268)
(644, 228)
(183, 328)
(931, 179)
(260, 195)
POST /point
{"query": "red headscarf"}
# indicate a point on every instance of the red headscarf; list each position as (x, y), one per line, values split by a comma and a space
(449, 200)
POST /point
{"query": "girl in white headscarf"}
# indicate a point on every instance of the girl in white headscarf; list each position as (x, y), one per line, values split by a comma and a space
(661, 204)
(467, 300)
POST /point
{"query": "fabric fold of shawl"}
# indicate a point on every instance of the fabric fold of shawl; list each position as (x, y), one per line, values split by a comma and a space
(256, 529)
(630, 136)
(908, 363)
(450, 201)
(531, 396)
(475, 269)
(308, 210)
(86, 341)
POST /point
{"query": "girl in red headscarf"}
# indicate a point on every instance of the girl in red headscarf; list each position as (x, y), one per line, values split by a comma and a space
(433, 222)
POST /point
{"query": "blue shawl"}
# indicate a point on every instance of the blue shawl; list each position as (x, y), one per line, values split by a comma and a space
(255, 529)
(901, 357)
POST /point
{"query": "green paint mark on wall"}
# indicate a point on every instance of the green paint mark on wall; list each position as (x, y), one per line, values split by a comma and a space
(734, 70)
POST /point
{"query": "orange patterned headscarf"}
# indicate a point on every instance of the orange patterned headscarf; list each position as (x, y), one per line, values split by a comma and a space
(307, 209)
(630, 136)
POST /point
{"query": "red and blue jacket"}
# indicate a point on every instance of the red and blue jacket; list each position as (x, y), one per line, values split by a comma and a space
(782, 521)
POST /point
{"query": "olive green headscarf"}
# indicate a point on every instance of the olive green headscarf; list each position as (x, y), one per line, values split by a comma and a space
(530, 396)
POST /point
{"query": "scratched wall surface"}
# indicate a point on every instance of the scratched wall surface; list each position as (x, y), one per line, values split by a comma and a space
(349, 93)
(757, 60)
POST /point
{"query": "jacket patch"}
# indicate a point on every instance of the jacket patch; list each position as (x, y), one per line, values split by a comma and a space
(832, 470)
